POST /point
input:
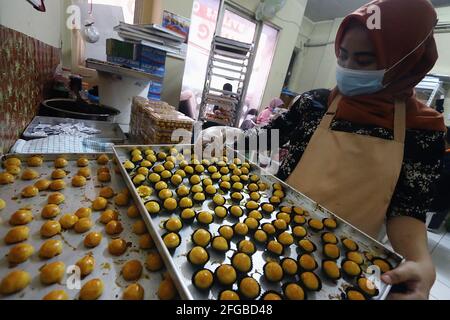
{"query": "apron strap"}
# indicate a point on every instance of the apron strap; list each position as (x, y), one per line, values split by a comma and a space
(331, 112)
(399, 118)
(400, 121)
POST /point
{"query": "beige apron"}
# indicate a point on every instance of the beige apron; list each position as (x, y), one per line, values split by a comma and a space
(352, 175)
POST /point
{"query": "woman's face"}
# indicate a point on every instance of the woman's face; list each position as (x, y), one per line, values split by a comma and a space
(357, 51)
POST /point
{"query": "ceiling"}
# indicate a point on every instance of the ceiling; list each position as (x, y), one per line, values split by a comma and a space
(320, 10)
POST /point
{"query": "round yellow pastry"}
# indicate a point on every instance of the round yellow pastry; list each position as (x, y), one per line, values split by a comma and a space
(57, 185)
(83, 213)
(59, 174)
(35, 161)
(103, 159)
(99, 203)
(133, 212)
(50, 248)
(15, 281)
(20, 253)
(85, 172)
(56, 198)
(52, 273)
(42, 184)
(2, 204)
(154, 262)
(139, 227)
(114, 227)
(14, 170)
(21, 217)
(56, 295)
(86, 265)
(106, 192)
(92, 290)
(83, 225)
(121, 199)
(60, 162)
(30, 192)
(6, 178)
(68, 221)
(167, 290)
(78, 181)
(17, 234)
(117, 247)
(12, 162)
(132, 270)
(108, 215)
(82, 162)
(92, 239)
(146, 242)
(153, 207)
(133, 292)
(29, 174)
(249, 288)
(172, 240)
(50, 229)
(104, 177)
(143, 192)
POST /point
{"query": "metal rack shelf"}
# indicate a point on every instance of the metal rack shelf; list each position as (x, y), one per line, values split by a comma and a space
(233, 58)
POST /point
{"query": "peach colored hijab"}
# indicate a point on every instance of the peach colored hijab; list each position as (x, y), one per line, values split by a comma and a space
(404, 25)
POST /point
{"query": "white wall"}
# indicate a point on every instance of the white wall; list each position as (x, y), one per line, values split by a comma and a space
(317, 65)
(21, 16)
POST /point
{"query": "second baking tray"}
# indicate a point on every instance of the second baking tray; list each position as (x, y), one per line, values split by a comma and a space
(182, 271)
(108, 267)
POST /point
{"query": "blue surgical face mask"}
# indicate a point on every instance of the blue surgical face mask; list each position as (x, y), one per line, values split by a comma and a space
(358, 82)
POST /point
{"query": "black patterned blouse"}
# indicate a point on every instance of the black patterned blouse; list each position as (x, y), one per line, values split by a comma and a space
(421, 164)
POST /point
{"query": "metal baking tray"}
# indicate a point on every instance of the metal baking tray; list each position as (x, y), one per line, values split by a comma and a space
(108, 267)
(182, 271)
(110, 132)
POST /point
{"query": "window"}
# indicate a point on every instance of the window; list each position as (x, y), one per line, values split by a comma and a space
(237, 26)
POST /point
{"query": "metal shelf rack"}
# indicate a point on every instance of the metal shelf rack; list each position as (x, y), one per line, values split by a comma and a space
(229, 60)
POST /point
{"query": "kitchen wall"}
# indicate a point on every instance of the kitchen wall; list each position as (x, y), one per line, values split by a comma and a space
(315, 65)
(29, 53)
(21, 16)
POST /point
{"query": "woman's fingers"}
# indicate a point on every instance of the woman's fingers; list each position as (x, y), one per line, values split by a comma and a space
(409, 271)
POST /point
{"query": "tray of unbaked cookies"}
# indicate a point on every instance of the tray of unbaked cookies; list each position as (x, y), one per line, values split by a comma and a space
(69, 230)
(228, 230)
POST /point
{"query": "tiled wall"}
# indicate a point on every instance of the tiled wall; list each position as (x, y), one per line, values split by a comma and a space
(26, 70)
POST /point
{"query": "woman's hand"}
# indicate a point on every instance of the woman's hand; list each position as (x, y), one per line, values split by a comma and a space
(416, 277)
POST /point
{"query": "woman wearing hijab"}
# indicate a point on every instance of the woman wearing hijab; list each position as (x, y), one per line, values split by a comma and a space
(374, 156)
(265, 116)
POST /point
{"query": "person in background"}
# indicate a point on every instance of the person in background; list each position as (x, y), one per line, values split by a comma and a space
(441, 203)
(250, 120)
(267, 115)
(226, 87)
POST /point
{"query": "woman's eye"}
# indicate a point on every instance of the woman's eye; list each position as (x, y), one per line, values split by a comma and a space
(365, 63)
